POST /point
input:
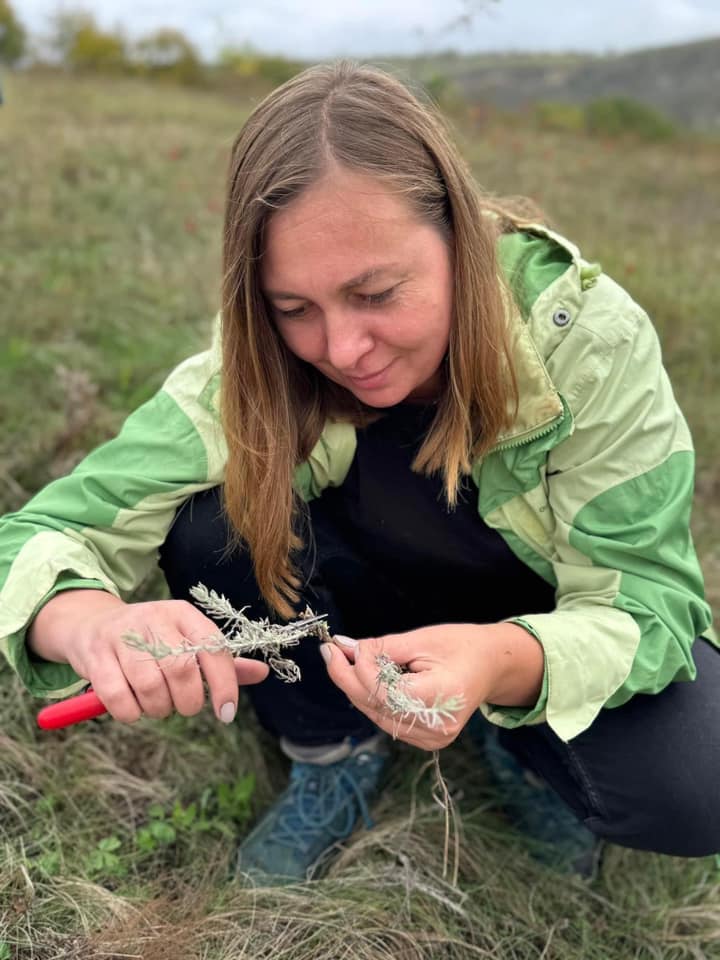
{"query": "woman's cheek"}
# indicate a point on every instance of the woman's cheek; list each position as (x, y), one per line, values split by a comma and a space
(304, 342)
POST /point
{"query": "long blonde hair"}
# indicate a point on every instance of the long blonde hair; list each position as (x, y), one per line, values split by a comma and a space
(274, 406)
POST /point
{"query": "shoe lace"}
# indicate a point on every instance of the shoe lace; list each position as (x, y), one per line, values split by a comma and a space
(320, 800)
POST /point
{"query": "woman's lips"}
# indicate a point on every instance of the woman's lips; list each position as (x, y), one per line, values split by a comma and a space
(374, 380)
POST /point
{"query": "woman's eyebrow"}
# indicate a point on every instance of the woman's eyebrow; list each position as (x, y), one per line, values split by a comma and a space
(357, 281)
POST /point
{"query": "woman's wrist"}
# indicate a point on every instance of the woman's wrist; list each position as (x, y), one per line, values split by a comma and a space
(513, 662)
(62, 615)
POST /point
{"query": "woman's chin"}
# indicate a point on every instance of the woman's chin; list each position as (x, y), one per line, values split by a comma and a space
(386, 397)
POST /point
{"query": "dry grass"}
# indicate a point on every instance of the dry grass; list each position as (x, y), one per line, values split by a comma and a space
(384, 896)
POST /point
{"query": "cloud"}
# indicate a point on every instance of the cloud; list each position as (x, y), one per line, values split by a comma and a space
(327, 28)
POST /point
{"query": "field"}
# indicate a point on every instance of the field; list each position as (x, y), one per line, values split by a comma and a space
(116, 842)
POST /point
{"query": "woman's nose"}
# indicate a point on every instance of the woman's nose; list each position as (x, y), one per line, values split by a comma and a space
(347, 340)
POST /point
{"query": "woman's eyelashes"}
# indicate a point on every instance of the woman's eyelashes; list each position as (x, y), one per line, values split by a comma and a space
(365, 299)
(372, 299)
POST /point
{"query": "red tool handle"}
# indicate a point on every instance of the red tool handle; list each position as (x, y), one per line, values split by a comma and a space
(75, 710)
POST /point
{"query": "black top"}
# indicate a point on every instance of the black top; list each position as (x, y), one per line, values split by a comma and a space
(449, 562)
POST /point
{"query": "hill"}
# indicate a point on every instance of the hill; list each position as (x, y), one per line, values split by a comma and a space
(682, 81)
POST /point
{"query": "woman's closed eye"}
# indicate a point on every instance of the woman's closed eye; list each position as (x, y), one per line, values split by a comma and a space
(372, 299)
(366, 299)
(289, 314)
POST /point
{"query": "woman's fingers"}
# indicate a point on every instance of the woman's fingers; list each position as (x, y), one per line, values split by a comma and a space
(347, 645)
(131, 682)
(185, 681)
(345, 676)
(250, 671)
(112, 687)
(175, 681)
(154, 682)
(359, 682)
(222, 672)
(367, 653)
(405, 649)
(222, 676)
(366, 698)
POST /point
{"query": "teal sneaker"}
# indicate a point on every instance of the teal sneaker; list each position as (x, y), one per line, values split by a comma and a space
(557, 838)
(319, 808)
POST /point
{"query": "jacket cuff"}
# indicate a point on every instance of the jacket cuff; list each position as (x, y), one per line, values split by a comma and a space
(43, 678)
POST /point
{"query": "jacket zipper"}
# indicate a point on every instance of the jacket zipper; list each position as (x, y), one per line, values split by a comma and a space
(543, 431)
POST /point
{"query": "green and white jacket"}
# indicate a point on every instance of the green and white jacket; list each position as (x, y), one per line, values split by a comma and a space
(592, 488)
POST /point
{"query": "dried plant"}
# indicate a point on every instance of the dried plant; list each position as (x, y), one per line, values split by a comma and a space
(240, 635)
(404, 706)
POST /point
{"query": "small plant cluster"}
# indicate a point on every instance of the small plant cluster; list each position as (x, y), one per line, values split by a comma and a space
(221, 809)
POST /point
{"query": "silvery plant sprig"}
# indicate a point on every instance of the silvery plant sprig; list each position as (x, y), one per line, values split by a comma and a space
(404, 706)
(241, 636)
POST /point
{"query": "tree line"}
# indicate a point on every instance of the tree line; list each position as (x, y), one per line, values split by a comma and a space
(75, 42)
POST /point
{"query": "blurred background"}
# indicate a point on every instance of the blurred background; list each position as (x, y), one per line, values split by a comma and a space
(115, 133)
(114, 139)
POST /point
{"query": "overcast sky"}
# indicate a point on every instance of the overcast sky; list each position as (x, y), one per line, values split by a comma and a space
(312, 29)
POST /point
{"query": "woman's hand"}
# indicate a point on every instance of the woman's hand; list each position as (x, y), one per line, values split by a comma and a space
(85, 628)
(496, 663)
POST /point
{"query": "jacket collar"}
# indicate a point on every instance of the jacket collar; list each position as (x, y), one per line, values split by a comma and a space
(539, 403)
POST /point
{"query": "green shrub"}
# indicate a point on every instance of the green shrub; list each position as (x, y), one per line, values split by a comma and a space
(168, 53)
(560, 117)
(95, 50)
(247, 64)
(277, 70)
(12, 35)
(81, 45)
(621, 116)
(239, 61)
(438, 86)
(446, 95)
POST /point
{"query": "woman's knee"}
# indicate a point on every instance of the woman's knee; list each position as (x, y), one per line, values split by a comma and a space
(678, 818)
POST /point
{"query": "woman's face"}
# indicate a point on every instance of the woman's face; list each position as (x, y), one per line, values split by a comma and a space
(360, 288)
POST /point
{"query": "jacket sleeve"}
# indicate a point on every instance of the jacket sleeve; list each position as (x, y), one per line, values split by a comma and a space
(101, 526)
(618, 492)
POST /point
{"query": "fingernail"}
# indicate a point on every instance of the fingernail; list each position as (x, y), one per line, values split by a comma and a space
(345, 641)
(227, 712)
(325, 652)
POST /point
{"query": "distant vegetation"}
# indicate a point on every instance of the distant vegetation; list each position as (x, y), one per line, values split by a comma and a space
(680, 82)
(616, 116)
(74, 42)
(649, 94)
(607, 117)
(12, 35)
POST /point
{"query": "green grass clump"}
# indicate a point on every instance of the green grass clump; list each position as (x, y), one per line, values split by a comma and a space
(119, 841)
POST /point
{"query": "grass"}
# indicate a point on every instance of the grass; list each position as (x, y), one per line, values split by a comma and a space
(117, 841)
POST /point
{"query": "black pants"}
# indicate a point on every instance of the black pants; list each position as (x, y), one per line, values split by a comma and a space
(644, 775)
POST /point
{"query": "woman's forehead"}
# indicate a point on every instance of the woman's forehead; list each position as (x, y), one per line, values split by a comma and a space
(339, 202)
(349, 234)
